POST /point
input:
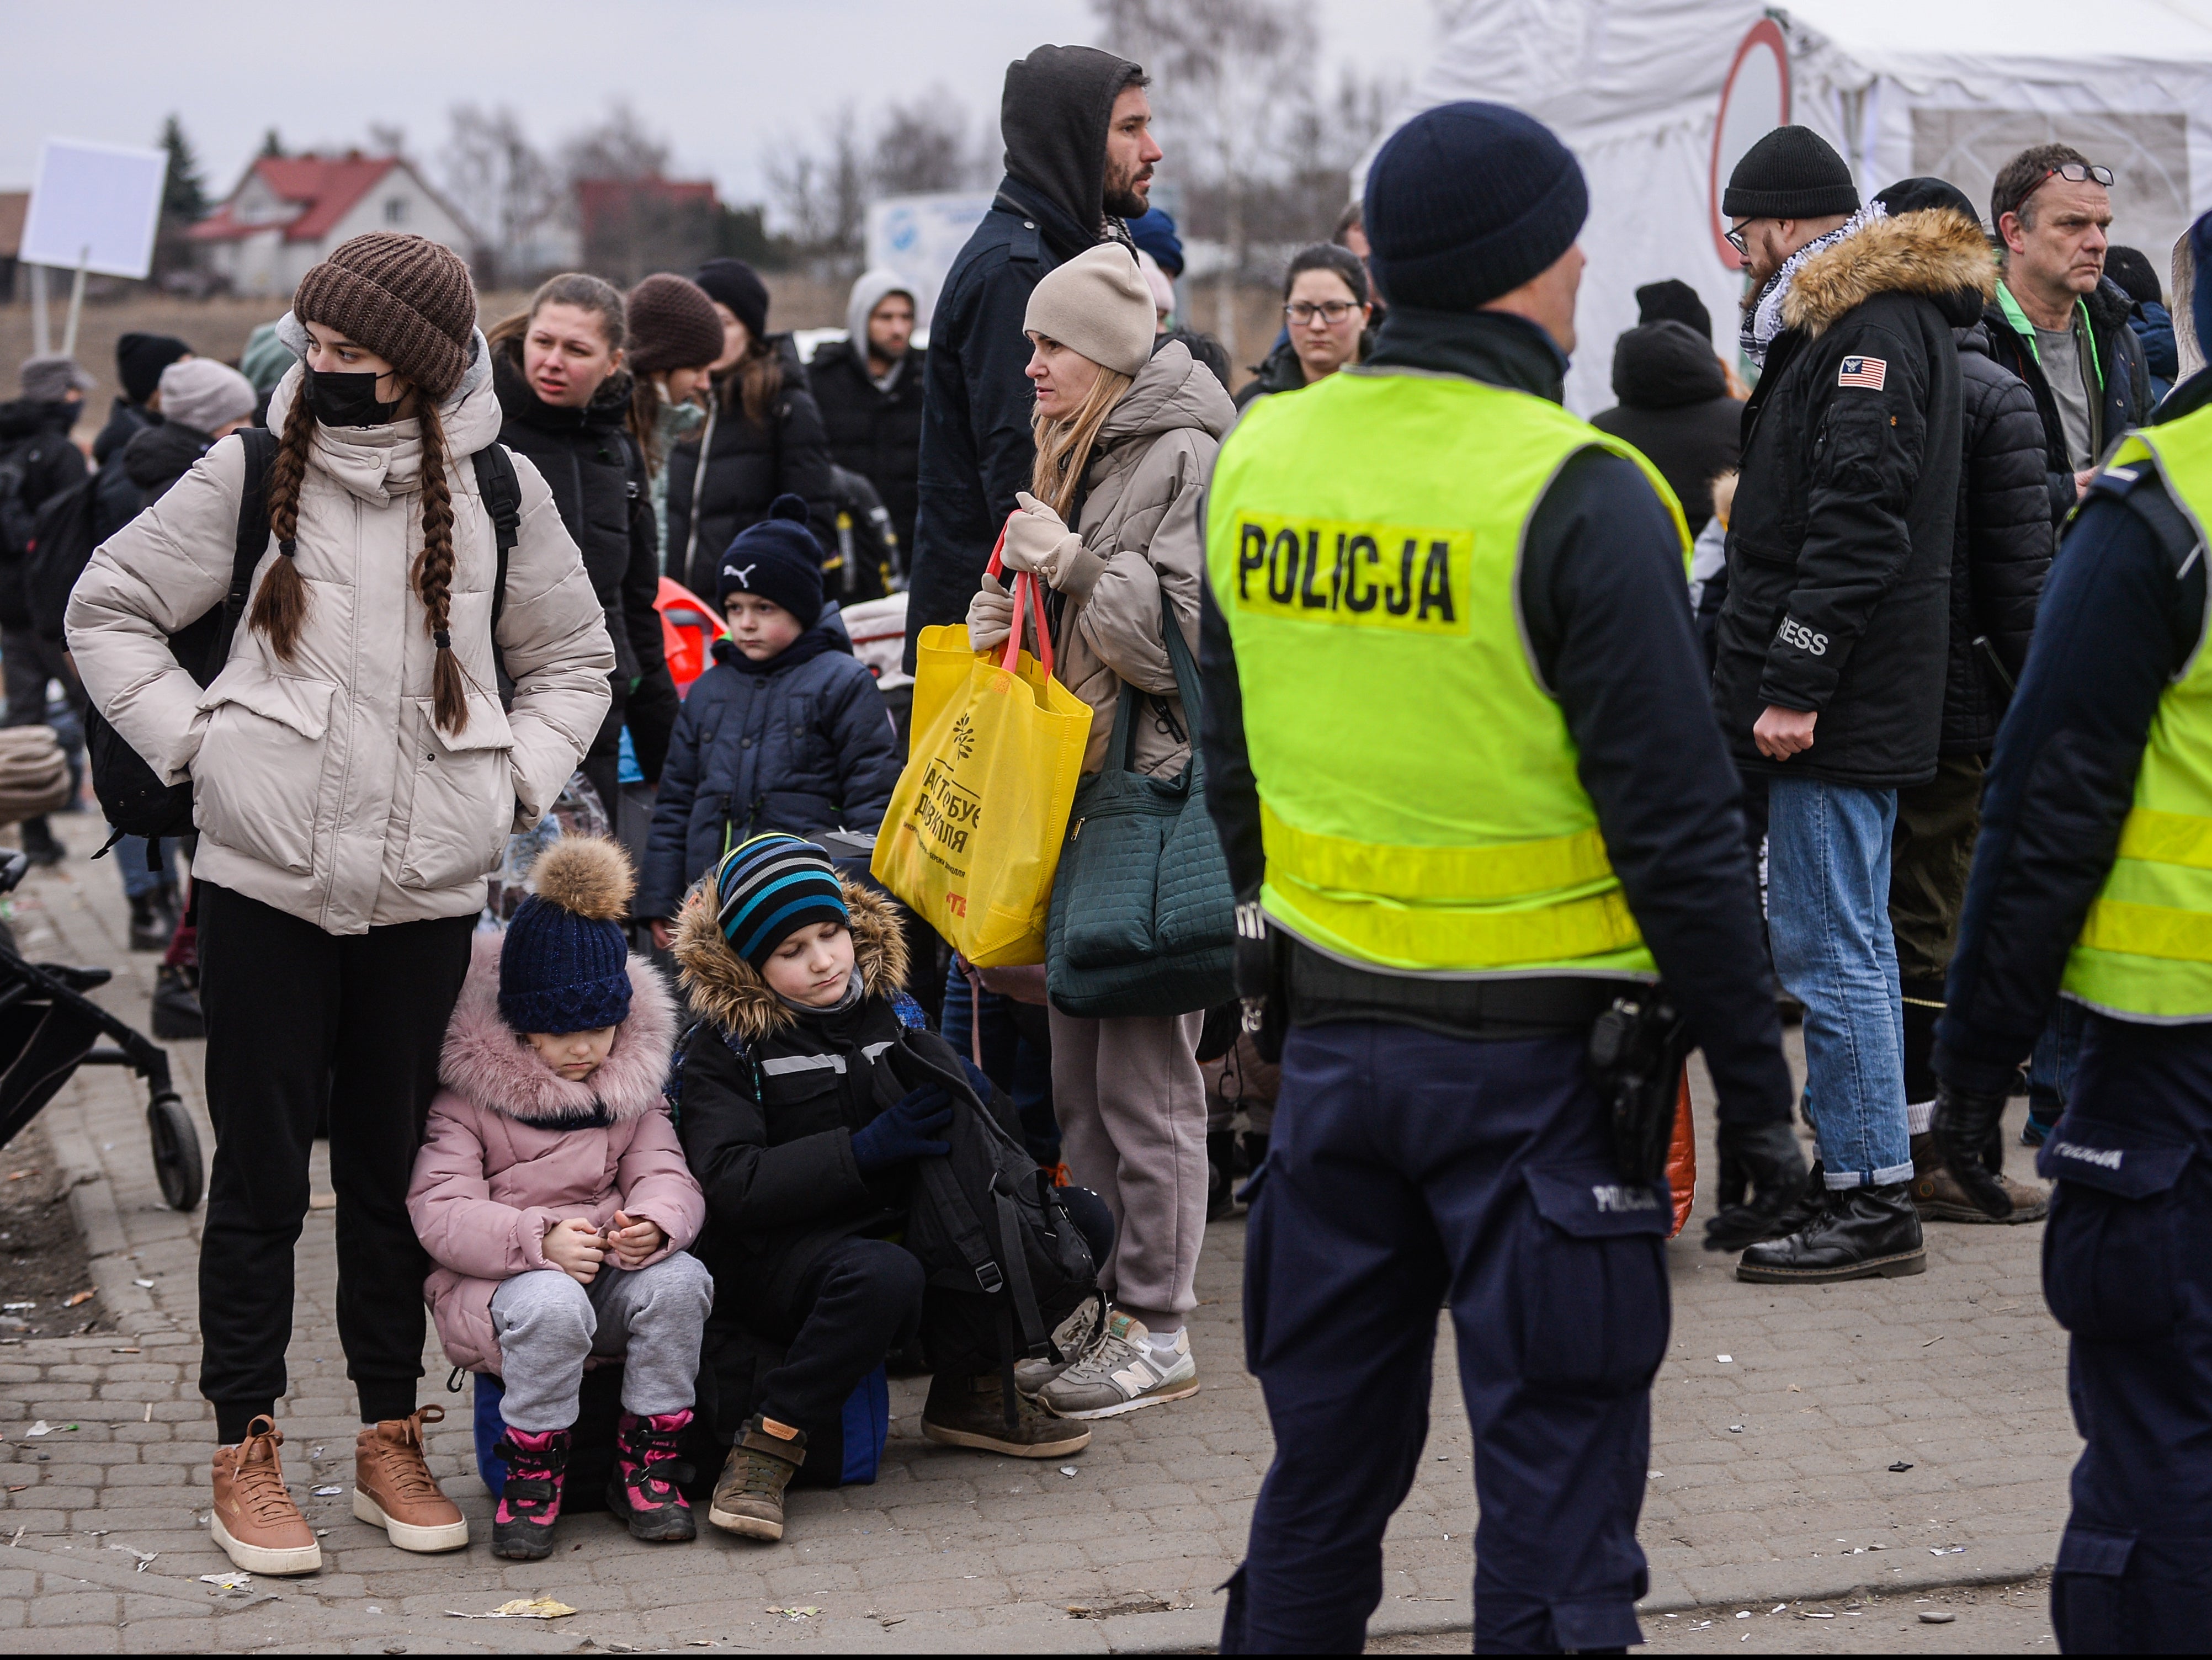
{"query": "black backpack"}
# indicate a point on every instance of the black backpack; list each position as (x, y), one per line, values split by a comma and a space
(63, 537)
(131, 794)
(984, 1219)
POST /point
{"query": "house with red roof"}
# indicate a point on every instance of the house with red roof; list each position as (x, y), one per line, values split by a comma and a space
(289, 211)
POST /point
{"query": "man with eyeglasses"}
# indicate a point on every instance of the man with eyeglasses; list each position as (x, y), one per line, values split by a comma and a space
(2058, 322)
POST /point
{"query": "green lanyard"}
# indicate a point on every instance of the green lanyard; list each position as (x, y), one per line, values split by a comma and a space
(2026, 330)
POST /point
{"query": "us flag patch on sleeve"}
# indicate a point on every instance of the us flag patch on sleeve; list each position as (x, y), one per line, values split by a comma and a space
(1867, 372)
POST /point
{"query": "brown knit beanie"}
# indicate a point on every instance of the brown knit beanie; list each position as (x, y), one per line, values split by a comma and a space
(672, 325)
(407, 298)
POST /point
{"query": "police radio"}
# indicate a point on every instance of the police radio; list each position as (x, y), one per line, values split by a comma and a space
(1636, 1052)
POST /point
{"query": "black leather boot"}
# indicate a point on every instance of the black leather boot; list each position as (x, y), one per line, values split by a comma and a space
(1864, 1233)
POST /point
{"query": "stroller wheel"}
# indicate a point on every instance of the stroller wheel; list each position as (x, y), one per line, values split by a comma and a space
(176, 1147)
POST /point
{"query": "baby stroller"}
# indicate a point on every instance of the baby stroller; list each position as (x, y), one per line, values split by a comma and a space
(49, 1028)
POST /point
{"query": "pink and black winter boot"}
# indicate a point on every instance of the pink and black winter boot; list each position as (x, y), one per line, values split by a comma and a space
(522, 1526)
(643, 1489)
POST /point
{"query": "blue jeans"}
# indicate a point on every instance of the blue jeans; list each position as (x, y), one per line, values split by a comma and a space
(1016, 1057)
(129, 857)
(1827, 910)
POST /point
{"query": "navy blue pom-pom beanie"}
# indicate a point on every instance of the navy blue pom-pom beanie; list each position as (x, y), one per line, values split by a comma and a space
(564, 966)
(1467, 202)
(777, 559)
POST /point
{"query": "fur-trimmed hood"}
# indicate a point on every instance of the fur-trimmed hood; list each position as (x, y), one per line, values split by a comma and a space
(489, 1064)
(725, 989)
(1936, 252)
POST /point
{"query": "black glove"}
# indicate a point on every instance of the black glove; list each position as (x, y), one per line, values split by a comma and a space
(902, 1132)
(1766, 1158)
(1966, 1122)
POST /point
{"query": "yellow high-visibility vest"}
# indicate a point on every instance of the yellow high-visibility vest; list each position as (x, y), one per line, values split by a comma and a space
(1418, 800)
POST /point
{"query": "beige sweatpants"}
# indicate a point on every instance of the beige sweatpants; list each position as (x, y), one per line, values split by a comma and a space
(1132, 1109)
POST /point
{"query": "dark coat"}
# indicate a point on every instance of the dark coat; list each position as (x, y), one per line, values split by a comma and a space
(117, 499)
(2154, 327)
(748, 464)
(875, 433)
(156, 457)
(1839, 541)
(803, 744)
(1279, 371)
(37, 460)
(772, 1145)
(2127, 401)
(2000, 549)
(593, 466)
(1675, 406)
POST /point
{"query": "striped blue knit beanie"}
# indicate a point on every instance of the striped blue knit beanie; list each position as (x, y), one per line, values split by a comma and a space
(767, 888)
(564, 966)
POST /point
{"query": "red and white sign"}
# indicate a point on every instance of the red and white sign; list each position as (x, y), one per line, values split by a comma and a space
(1755, 101)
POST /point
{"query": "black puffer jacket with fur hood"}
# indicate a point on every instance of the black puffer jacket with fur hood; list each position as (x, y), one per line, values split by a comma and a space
(1839, 545)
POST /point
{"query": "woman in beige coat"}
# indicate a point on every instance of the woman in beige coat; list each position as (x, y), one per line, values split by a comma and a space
(354, 779)
(1126, 439)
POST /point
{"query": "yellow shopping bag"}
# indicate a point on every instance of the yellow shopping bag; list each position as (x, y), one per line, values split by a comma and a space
(973, 834)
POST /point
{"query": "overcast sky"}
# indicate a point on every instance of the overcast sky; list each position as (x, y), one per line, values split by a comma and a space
(720, 79)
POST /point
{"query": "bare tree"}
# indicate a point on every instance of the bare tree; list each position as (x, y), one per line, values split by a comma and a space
(823, 194)
(500, 181)
(924, 146)
(618, 148)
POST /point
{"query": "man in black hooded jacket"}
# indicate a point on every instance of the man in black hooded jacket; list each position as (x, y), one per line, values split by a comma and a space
(1079, 156)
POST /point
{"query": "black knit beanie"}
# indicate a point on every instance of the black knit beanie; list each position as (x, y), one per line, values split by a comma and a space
(1791, 174)
(779, 559)
(140, 359)
(1918, 195)
(2137, 277)
(1467, 202)
(738, 286)
(1673, 300)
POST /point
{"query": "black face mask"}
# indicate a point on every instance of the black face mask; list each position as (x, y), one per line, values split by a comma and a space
(346, 400)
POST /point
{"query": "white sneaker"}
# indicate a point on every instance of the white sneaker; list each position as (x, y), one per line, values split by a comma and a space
(1123, 1373)
(1074, 1337)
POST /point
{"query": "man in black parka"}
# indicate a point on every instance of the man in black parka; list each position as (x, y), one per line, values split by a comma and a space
(1830, 650)
(1079, 158)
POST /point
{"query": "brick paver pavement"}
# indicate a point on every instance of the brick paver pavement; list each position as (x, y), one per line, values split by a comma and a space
(1777, 1418)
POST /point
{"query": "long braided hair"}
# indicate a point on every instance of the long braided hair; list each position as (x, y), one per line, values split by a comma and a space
(280, 606)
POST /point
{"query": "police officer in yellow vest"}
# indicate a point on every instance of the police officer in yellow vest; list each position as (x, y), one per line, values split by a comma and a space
(2092, 880)
(1458, 741)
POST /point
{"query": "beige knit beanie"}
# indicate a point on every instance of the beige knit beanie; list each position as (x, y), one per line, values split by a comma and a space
(1097, 304)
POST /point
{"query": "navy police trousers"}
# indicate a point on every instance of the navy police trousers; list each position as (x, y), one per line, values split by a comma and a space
(2127, 1269)
(1410, 1170)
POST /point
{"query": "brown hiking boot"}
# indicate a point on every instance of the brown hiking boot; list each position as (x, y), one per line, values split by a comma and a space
(394, 1488)
(1938, 1197)
(971, 1412)
(749, 1496)
(254, 1519)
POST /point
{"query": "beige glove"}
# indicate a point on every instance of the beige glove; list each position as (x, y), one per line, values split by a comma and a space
(1037, 539)
(990, 617)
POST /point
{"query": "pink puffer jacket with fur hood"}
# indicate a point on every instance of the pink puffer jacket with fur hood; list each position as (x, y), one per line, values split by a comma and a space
(486, 1185)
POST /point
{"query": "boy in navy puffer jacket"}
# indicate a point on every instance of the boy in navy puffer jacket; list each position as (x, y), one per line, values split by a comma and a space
(786, 732)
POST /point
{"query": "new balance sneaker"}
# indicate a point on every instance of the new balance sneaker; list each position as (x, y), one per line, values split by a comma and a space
(1074, 1337)
(1123, 1373)
(394, 1488)
(253, 1518)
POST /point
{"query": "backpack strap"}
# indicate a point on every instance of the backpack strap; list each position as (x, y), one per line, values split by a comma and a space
(260, 447)
(500, 488)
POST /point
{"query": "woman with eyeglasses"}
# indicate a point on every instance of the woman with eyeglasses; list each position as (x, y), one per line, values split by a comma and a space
(1325, 311)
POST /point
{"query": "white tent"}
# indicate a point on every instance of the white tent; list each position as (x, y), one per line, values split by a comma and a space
(1659, 98)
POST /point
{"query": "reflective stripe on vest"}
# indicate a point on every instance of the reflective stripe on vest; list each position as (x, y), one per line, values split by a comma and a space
(1419, 806)
(2145, 950)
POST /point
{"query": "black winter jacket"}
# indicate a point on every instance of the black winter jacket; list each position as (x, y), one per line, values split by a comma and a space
(2127, 401)
(157, 457)
(2000, 549)
(875, 433)
(1839, 543)
(118, 499)
(748, 465)
(1675, 406)
(597, 474)
(37, 460)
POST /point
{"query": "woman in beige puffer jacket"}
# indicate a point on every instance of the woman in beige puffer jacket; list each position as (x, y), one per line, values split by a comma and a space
(355, 780)
(1133, 433)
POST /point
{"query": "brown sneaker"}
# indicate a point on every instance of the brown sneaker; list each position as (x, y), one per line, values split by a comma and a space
(1939, 1198)
(749, 1496)
(254, 1519)
(394, 1488)
(970, 1412)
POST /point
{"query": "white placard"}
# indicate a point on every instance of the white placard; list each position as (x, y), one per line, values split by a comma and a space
(918, 237)
(97, 206)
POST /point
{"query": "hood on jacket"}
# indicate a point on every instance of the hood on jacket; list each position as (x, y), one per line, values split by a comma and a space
(27, 417)
(1173, 389)
(1054, 112)
(1665, 365)
(869, 289)
(519, 399)
(725, 988)
(1936, 254)
(158, 455)
(492, 1066)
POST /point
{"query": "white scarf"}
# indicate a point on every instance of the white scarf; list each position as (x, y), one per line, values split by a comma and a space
(1763, 322)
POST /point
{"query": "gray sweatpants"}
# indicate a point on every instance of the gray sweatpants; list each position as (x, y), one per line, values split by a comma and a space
(1132, 1112)
(548, 1325)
